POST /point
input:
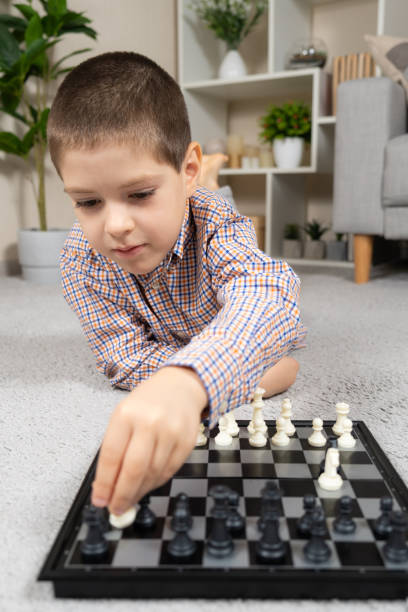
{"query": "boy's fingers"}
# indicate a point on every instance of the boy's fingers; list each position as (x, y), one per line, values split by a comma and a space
(154, 477)
(109, 461)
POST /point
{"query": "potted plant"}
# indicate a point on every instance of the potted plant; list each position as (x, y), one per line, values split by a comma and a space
(292, 245)
(337, 249)
(314, 248)
(231, 22)
(287, 127)
(24, 46)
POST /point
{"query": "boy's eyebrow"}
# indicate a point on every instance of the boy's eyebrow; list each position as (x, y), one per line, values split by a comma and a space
(141, 179)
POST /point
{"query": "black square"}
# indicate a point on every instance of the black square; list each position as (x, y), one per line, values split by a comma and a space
(296, 487)
(288, 456)
(162, 491)
(133, 531)
(224, 456)
(192, 470)
(331, 507)
(195, 559)
(233, 483)
(253, 506)
(78, 559)
(197, 506)
(296, 535)
(354, 457)
(361, 554)
(316, 471)
(258, 470)
(236, 535)
(369, 488)
(254, 559)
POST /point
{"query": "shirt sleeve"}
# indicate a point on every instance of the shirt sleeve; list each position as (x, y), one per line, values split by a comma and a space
(258, 322)
(123, 344)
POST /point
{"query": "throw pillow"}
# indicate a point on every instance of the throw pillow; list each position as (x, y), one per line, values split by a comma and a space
(391, 54)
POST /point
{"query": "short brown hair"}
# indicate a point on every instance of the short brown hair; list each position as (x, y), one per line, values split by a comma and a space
(120, 98)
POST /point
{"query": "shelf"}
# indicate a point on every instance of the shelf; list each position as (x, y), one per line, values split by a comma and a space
(272, 170)
(331, 263)
(329, 120)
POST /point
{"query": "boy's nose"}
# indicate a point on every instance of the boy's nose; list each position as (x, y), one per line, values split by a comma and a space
(117, 223)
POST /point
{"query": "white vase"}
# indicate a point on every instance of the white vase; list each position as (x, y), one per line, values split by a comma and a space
(39, 254)
(232, 66)
(288, 151)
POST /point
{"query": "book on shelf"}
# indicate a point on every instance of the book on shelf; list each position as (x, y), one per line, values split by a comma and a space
(351, 66)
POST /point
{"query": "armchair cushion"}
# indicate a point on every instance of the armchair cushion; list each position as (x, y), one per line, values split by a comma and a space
(395, 183)
(391, 54)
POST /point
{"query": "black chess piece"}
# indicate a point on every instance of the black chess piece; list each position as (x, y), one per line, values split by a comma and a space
(382, 524)
(103, 514)
(145, 517)
(343, 523)
(270, 547)
(220, 543)
(181, 545)
(316, 550)
(270, 502)
(331, 443)
(396, 548)
(95, 546)
(235, 521)
(305, 522)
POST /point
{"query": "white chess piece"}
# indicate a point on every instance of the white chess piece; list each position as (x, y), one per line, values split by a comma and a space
(317, 438)
(330, 480)
(232, 427)
(201, 437)
(342, 410)
(280, 438)
(121, 521)
(257, 438)
(223, 438)
(346, 440)
(286, 413)
(257, 405)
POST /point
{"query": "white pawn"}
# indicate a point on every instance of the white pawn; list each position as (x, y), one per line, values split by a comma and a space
(201, 437)
(280, 438)
(257, 405)
(223, 438)
(232, 427)
(121, 521)
(330, 480)
(286, 413)
(342, 410)
(257, 438)
(346, 440)
(317, 438)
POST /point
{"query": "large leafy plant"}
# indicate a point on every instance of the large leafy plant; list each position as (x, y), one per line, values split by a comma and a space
(24, 57)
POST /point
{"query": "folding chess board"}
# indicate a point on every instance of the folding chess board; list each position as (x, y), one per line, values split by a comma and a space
(139, 565)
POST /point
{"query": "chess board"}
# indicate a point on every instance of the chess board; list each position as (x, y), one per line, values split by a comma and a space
(139, 565)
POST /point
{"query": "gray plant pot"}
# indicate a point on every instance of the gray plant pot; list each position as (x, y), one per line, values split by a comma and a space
(336, 249)
(39, 254)
(292, 249)
(314, 249)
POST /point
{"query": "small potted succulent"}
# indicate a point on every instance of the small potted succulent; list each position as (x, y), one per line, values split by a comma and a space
(337, 249)
(292, 245)
(287, 127)
(314, 247)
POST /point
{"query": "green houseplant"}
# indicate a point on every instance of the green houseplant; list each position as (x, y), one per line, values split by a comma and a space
(25, 45)
(292, 245)
(230, 21)
(287, 127)
(337, 249)
(315, 247)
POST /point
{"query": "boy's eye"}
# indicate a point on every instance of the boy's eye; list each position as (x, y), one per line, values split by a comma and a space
(90, 203)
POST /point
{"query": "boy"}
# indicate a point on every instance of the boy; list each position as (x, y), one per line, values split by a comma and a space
(179, 305)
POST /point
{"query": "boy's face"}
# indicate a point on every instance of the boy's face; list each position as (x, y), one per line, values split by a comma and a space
(118, 209)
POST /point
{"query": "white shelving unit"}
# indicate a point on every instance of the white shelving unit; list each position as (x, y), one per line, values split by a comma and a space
(217, 107)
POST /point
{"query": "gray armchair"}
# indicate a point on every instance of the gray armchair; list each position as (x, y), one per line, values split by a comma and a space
(370, 191)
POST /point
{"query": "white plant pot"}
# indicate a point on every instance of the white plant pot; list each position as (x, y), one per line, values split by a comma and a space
(292, 249)
(39, 254)
(288, 151)
(314, 249)
(232, 66)
(336, 249)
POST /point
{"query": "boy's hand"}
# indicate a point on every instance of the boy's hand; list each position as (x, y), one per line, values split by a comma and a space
(148, 438)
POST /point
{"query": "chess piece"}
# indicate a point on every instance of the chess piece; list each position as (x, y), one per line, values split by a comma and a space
(304, 524)
(257, 438)
(317, 438)
(382, 524)
(330, 480)
(220, 543)
(95, 546)
(396, 548)
(342, 410)
(286, 413)
(181, 545)
(121, 521)
(232, 427)
(316, 550)
(201, 437)
(270, 503)
(347, 440)
(343, 523)
(257, 405)
(223, 438)
(331, 443)
(280, 438)
(235, 522)
(145, 517)
(270, 547)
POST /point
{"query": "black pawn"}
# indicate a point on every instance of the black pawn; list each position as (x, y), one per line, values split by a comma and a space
(95, 546)
(270, 547)
(316, 550)
(270, 502)
(396, 548)
(343, 523)
(382, 525)
(235, 521)
(304, 524)
(220, 542)
(181, 545)
(331, 443)
(145, 517)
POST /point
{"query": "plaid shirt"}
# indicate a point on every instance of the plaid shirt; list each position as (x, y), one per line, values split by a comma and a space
(216, 303)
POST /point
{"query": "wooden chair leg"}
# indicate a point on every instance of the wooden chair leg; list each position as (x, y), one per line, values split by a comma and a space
(363, 255)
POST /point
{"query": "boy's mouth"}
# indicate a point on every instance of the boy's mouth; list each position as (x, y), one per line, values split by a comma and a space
(129, 250)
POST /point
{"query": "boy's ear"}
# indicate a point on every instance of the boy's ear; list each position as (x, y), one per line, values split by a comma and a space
(192, 167)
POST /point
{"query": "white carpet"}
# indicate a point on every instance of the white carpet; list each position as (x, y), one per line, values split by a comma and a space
(54, 408)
